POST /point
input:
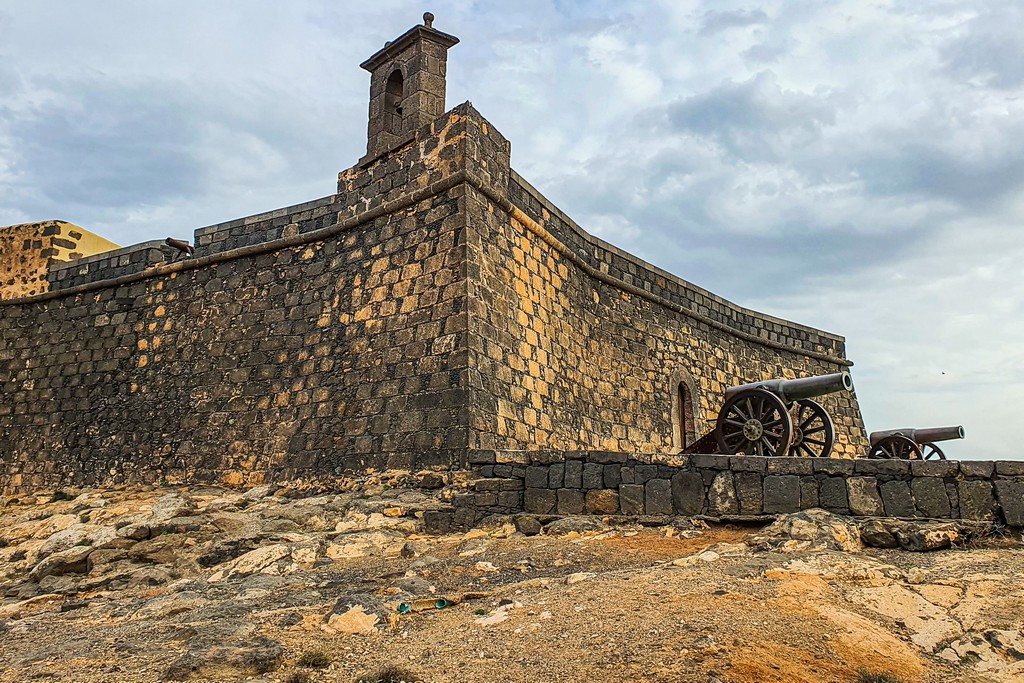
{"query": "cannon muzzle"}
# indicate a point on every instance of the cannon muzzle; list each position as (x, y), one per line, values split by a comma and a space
(789, 390)
(183, 247)
(920, 436)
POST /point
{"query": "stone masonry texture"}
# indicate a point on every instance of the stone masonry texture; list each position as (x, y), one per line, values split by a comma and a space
(435, 307)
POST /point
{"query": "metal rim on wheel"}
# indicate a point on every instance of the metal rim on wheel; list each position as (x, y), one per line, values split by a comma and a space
(813, 431)
(754, 422)
(896, 448)
(930, 451)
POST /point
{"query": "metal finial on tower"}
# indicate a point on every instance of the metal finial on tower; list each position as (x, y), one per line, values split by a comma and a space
(428, 19)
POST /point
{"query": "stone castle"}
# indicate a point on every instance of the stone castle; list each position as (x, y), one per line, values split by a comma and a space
(435, 308)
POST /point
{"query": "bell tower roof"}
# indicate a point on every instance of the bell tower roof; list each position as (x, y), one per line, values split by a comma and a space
(407, 85)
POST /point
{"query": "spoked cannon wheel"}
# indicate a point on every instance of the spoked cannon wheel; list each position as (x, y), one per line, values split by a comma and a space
(930, 451)
(813, 432)
(895, 448)
(754, 422)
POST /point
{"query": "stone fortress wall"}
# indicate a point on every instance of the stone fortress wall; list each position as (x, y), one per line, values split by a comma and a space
(408, 320)
(582, 346)
(435, 306)
(328, 349)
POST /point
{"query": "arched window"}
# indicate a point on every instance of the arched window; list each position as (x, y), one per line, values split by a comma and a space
(393, 95)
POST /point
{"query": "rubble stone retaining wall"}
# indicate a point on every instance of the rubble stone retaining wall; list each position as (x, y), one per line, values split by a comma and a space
(608, 483)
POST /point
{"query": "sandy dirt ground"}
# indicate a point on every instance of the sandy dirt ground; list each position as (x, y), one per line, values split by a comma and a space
(216, 585)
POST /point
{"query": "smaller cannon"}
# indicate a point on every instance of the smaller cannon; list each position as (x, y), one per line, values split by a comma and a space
(912, 444)
(778, 417)
(185, 249)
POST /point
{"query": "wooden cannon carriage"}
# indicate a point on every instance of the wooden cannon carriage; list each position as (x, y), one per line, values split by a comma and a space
(776, 417)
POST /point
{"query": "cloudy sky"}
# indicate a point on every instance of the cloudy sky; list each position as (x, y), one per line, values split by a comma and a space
(853, 165)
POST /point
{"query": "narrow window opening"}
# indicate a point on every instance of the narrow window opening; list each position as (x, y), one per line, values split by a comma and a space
(393, 92)
(684, 416)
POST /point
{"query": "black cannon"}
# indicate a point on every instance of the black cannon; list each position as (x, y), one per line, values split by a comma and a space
(778, 417)
(912, 444)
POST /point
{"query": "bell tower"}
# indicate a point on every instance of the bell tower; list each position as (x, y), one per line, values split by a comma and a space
(407, 84)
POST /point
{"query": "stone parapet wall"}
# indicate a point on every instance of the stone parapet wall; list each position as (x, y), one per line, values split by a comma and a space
(621, 266)
(264, 227)
(109, 264)
(608, 483)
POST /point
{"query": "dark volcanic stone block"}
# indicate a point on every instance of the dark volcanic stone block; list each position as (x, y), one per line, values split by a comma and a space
(480, 457)
(896, 499)
(1011, 499)
(536, 477)
(573, 474)
(930, 497)
(976, 499)
(539, 501)
(832, 495)
(570, 501)
(644, 471)
(882, 467)
(438, 521)
(464, 518)
(593, 476)
(786, 465)
(687, 493)
(833, 466)
(1010, 468)
(977, 468)
(631, 499)
(556, 475)
(606, 457)
(748, 463)
(934, 468)
(486, 500)
(612, 477)
(658, 497)
(713, 462)
(781, 493)
(750, 491)
(809, 494)
(512, 500)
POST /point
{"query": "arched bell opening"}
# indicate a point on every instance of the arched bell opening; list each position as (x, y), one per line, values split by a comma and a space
(394, 93)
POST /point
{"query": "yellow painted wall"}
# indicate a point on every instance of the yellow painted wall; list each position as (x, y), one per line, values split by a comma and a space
(28, 250)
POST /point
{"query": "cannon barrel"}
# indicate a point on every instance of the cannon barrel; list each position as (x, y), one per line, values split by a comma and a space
(789, 390)
(181, 245)
(929, 435)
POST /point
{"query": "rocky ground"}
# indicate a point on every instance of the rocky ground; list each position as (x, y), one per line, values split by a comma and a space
(283, 585)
